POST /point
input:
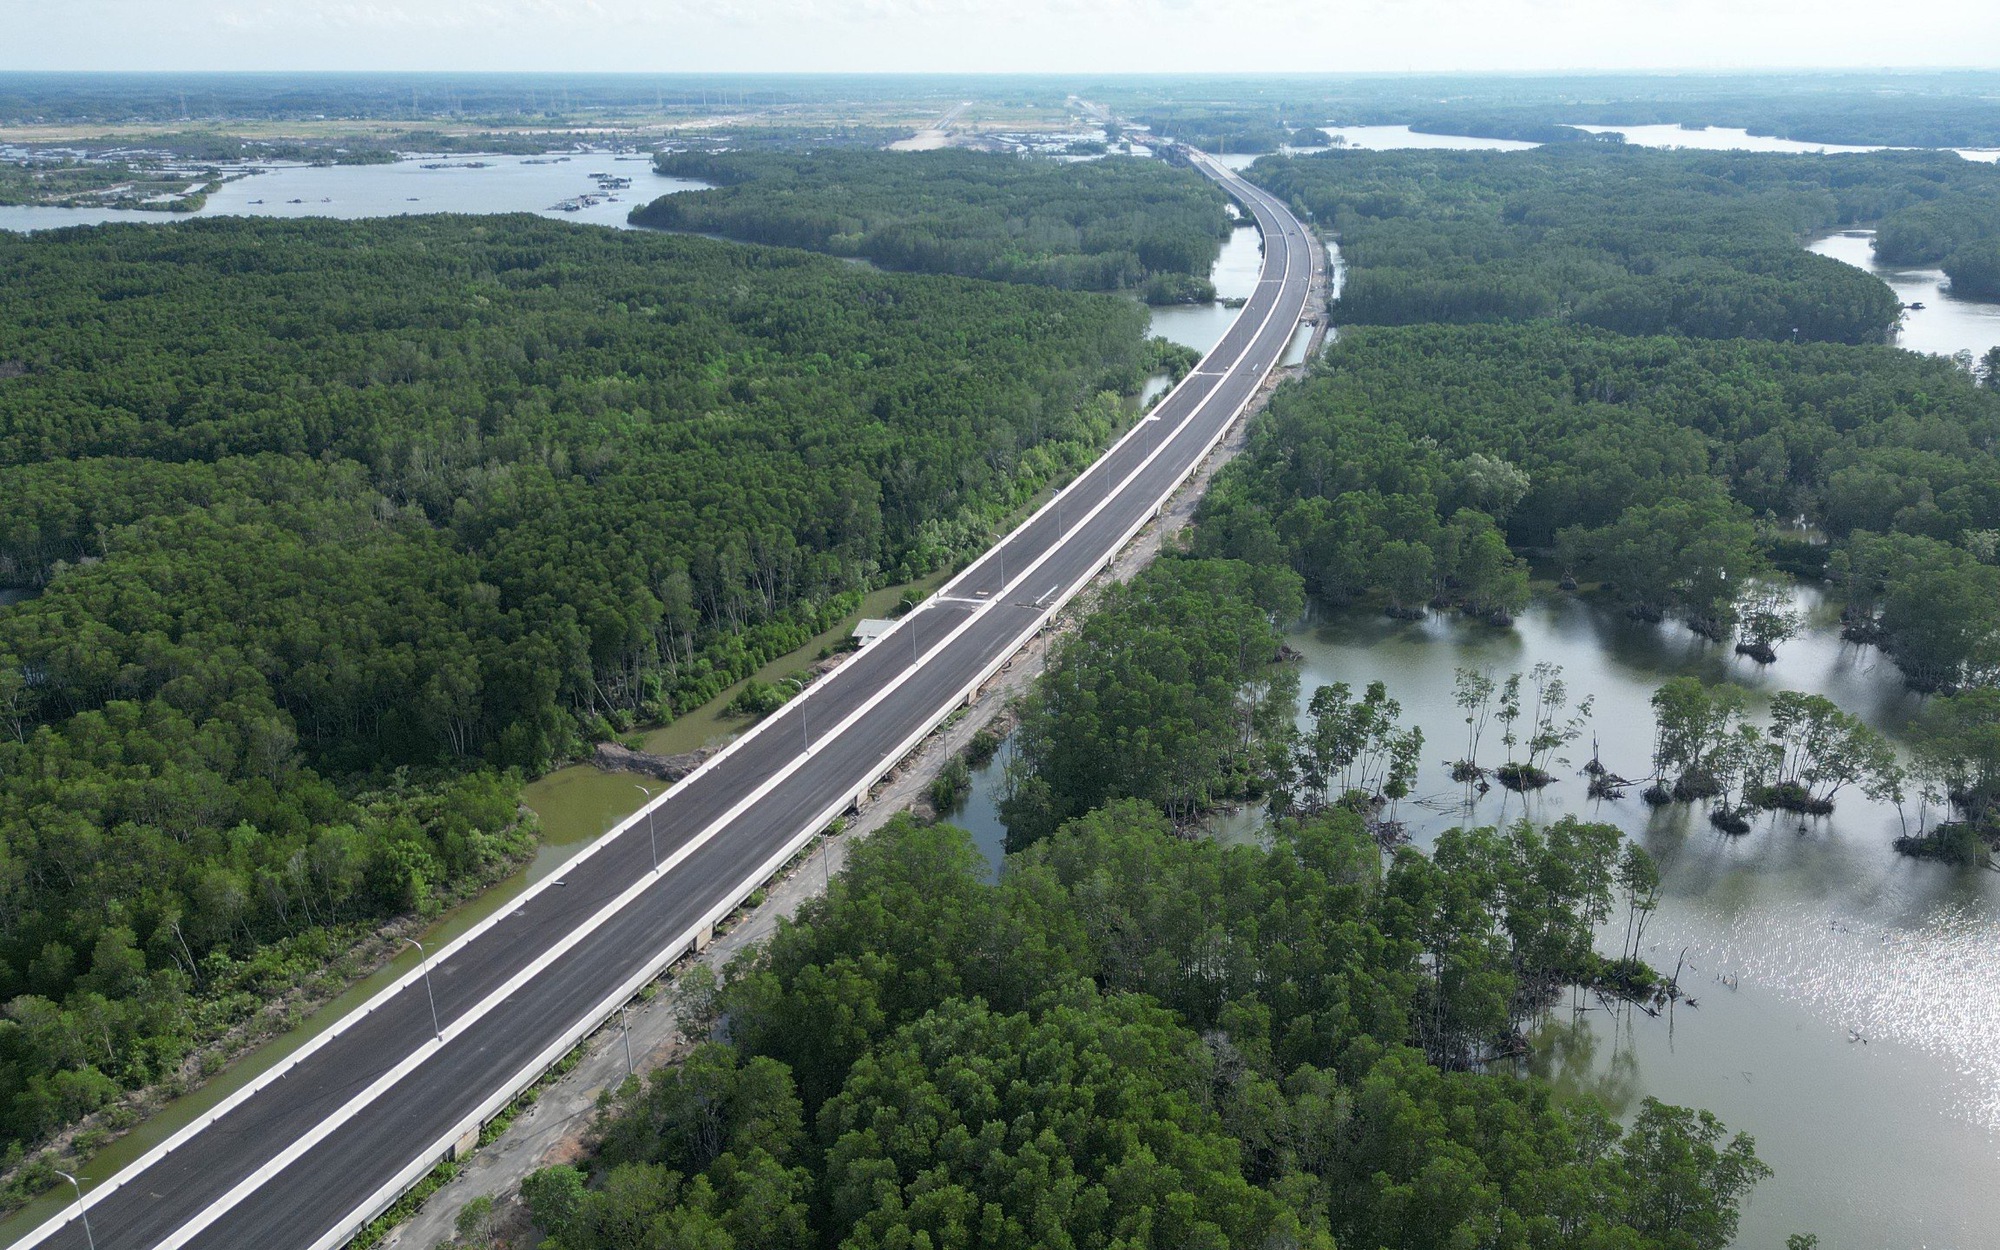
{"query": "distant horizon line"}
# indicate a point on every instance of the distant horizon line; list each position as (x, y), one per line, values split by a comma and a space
(1549, 72)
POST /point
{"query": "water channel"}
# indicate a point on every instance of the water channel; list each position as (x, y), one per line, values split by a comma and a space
(416, 184)
(1732, 139)
(1201, 326)
(1946, 324)
(1388, 138)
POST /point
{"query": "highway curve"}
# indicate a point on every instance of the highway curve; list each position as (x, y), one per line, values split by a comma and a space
(312, 1150)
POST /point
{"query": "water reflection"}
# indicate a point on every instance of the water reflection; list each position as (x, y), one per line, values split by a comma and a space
(1386, 138)
(1235, 273)
(1734, 139)
(417, 184)
(1845, 1000)
(1570, 1055)
(1945, 324)
(1716, 139)
(1793, 935)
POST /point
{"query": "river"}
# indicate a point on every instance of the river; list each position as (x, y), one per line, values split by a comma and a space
(1945, 324)
(1201, 326)
(1732, 139)
(1822, 932)
(1385, 139)
(415, 184)
(1388, 138)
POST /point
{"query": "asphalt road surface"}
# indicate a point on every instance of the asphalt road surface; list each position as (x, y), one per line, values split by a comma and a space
(311, 1150)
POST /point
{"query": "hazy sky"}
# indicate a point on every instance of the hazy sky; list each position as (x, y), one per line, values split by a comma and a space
(997, 35)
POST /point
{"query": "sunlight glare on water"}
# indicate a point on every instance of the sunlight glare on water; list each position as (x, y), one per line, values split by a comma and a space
(1928, 984)
(1795, 942)
(1797, 937)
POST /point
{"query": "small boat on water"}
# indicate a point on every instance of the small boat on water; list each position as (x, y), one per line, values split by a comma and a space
(1916, 306)
(256, 201)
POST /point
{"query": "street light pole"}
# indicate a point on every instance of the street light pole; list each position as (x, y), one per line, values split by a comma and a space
(81, 1211)
(800, 688)
(424, 957)
(655, 842)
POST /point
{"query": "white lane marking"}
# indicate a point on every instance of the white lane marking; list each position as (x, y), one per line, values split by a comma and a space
(331, 1124)
(1132, 433)
(360, 1214)
(415, 1058)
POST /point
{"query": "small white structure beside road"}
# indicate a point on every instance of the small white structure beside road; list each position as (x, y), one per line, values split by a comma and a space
(870, 628)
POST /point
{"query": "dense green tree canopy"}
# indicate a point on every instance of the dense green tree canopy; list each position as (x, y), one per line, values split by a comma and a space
(314, 502)
(1662, 466)
(1219, 127)
(347, 461)
(1631, 239)
(1099, 225)
(1135, 1040)
(1167, 693)
(1929, 231)
(1959, 232)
